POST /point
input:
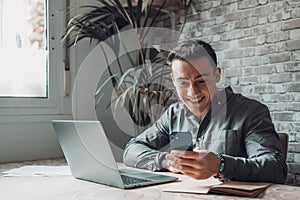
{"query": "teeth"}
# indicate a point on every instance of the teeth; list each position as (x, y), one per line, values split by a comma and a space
(196, 101)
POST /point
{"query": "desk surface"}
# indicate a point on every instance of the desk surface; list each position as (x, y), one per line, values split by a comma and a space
(67, 187)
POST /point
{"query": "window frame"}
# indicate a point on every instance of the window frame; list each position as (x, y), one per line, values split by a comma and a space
(53, 103)
(1, 23)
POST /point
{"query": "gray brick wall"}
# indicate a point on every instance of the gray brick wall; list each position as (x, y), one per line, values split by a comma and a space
(258, 46)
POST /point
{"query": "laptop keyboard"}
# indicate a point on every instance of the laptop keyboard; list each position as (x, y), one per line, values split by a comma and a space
(129, 180)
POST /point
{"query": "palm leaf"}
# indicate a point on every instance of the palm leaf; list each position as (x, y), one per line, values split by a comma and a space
(137, 77)
(154, 19)
(148, 13)
(120, 100)
(104, 83)
(139, 13)
(149, 66)
(104, 91)
(131, 14)
(125, 75)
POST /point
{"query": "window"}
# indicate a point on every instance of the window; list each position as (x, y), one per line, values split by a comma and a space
(32, 55)
(23, 49)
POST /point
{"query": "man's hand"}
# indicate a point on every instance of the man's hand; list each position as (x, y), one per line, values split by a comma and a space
(198, 164)
(165, 164)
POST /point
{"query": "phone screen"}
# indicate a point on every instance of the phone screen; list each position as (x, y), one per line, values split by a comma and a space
(181, 141)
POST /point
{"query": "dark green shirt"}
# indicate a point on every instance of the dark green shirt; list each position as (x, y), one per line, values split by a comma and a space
(237, 127)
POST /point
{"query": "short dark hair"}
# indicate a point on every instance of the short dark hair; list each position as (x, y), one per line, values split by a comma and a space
(192, 49)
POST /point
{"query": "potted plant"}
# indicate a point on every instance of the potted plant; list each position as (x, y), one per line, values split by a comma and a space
(139, 86)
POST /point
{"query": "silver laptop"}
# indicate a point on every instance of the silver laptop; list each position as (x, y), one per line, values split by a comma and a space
(90, 158)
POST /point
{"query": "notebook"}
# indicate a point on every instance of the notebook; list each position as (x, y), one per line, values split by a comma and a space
(89, 156)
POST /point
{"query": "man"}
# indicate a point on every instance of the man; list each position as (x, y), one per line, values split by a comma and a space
(233, 136)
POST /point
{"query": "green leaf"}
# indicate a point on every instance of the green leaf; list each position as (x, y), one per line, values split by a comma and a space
(136, 77)
(98, 100)
(125, 75)
(120, 101)
(157, 47)
(139, 13)
(105, 82)
(149, 66)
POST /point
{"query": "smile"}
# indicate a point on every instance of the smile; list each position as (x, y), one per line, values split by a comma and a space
(196, 100)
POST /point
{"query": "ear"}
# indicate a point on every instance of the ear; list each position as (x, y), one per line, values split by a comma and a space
(217, 74)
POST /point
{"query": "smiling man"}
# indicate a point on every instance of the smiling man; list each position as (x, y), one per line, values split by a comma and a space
(233, 136)
(195, 85)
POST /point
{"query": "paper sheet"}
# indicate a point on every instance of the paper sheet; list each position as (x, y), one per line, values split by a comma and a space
(39, 170)
(193, 186)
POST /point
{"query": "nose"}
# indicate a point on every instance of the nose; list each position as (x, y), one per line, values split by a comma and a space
(192, 90)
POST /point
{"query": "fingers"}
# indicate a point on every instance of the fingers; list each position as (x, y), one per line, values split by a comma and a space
(177, 162)
(200, 153)
(182, 168)
(173, 170)
(199, 164)
(190, 171)
(183, 154)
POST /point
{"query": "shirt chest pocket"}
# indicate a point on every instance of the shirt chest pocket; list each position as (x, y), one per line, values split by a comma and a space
(229, 142)
(234, 144)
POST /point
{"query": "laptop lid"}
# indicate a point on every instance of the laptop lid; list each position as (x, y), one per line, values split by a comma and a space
(87, 151)
(90, 158)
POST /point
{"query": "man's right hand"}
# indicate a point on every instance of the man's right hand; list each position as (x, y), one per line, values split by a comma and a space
(199, 164)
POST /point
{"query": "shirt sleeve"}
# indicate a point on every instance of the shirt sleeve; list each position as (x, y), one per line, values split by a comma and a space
(148, 149)
(265, 161)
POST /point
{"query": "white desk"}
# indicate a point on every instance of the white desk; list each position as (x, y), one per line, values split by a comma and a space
(69, 188)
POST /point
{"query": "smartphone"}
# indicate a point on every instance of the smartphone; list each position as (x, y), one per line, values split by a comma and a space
(181, 141)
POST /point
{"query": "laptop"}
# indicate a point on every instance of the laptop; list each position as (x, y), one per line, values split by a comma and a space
(90, 158)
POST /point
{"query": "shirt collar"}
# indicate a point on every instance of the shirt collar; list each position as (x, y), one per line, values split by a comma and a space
(220, 100)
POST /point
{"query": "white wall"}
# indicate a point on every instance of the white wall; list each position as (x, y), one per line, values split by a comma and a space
(28, 141)
(26, 132)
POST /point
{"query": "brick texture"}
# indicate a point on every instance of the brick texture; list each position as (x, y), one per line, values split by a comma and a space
(258, 46)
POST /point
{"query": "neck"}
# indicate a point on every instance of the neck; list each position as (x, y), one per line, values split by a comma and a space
(203, 114)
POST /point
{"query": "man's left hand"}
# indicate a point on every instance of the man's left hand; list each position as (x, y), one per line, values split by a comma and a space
(198, 164)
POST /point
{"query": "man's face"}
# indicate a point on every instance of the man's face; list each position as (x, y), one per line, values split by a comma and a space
(195, 83)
